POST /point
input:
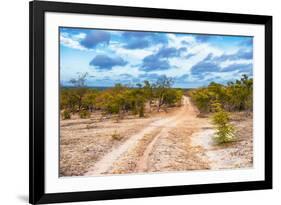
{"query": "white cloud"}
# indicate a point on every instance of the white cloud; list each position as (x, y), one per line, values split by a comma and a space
(225, 76)
(182, 65)
(134, 55)
(72, 41)
(227, 63)
(79, 36)
(115, 72)
(178, 41)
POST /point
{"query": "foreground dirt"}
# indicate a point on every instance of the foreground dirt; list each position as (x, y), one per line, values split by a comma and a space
(84, 141)
(237, 154)
(175, 141)
(158, 147)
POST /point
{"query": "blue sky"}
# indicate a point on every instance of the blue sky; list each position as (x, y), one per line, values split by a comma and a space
(130, 57)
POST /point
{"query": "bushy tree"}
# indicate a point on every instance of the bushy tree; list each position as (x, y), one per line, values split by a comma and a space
(89, 100)
(119, 99)
(105, 102)
(148, 93)
(172, 97)
(163, 84)
(201, 98)
(72, 98)
(235, 96)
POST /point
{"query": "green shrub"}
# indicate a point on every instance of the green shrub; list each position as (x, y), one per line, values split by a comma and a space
(119, 99)
(235, 96)
(84, 114)
(116, 136)
(224, 130)
(66, 114)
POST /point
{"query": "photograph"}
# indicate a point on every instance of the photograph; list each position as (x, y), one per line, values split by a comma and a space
(133, 102)
(137, 102)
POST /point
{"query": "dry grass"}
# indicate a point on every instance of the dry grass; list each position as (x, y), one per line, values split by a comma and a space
(243, 123)
(116, 136)
(239, 153)
(174, 152)
(84, 141)
(128, 162)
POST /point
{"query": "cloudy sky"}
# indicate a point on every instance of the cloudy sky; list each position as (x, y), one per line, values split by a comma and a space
(130, 57)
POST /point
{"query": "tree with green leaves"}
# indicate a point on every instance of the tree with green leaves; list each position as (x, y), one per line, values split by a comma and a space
(163, 84)
(148, 93)
(89, 100)
(119, 99)
(224, 130)
(235, 96)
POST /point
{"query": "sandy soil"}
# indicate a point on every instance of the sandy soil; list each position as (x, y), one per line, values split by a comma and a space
(164, 145)
(175, 141)
(83, 142)
(237, 154)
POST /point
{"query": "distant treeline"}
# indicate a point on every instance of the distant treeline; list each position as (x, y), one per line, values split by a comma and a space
(235, 96)
(119, 99)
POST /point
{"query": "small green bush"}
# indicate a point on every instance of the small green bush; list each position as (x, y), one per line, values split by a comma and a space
(66, 114)
(224, 130)
(84, 114)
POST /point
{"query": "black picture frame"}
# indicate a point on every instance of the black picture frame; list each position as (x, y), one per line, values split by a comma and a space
(37, 194)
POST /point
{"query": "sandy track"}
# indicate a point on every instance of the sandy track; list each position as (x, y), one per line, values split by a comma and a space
(187, 111)
(162, 126)
(179, 141)
(106, 162)
(175, 141)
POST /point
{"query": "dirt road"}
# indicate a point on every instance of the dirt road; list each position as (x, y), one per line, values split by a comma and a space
(158, 146)
(178, 140)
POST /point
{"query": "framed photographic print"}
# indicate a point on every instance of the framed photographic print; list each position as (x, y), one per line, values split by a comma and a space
(141, 102)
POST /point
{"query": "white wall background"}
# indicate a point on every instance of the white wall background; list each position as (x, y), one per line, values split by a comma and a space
(14, 100)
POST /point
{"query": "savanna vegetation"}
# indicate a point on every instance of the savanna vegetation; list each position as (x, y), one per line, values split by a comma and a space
(85, 145)
(220, 100)
(235, 96)
(118, 100)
